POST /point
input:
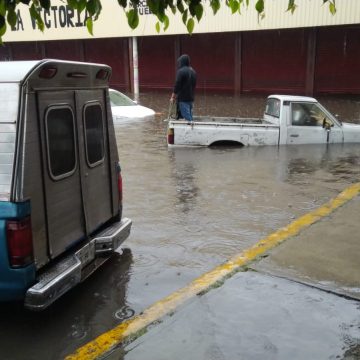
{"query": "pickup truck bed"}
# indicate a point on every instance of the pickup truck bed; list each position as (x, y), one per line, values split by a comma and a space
(226, 120)
(205, 131)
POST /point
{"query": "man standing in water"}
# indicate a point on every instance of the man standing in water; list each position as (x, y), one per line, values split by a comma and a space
(184, 87)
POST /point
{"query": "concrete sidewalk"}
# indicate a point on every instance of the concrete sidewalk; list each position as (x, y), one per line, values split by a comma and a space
(270, 312)
(254, 316)
(326, 255)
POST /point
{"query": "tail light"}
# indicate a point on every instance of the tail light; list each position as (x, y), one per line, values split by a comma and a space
(102, 74)
(19, 240)
(170, 136)
(48, 72)
(120, 187)
(120, 184)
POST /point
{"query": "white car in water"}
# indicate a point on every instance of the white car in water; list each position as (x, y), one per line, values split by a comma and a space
(124, 109)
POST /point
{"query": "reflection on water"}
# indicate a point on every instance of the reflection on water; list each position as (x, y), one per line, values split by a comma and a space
(347, 167)
(183, 172)
(333, 163)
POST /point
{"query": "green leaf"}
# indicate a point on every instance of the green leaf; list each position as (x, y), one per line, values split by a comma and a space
(93, 7)
(153, 6)
(173, 9)
(133, 18)
(180, 6)
(157, 27)
(166, 23)
(2, 8)
(259, 6)
(122, 3)
(291, 6)
(98, 11)
(291, 3)
(234, 6)
(215, 5)
(199, 10)
(161, 17)
(190, 25)
(2, 26)
(332, 8)
(40, 25)
(45, 4)
(35, 14)
(81, 5)
(240, 3)
(161, 8)
(11, 17)
(192, 7)
(73, 4)
(185, 16)
(89, 25)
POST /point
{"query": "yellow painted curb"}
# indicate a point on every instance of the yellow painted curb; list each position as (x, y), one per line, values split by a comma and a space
(132, 327)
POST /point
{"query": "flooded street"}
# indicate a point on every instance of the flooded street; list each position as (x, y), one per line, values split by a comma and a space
(192, 209)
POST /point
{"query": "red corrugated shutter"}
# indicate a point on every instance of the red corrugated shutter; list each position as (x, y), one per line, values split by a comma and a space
(27, 51)
(213, 58)
(64, 50)
(274, 61)
(337, 60)
(156, 62)
(5, 52)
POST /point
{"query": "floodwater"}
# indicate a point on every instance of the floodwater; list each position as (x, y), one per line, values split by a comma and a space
(192, 209)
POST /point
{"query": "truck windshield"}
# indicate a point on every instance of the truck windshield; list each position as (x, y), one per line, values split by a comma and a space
(9, 95)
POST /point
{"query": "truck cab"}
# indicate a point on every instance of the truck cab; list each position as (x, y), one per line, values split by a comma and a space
(302, 120)
(60, 178)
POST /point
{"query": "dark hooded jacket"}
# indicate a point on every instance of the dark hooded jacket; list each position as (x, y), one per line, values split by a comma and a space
(185, 80)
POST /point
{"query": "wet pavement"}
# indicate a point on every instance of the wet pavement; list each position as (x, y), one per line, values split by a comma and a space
(283, 306)
(253, 316)
(192, 209)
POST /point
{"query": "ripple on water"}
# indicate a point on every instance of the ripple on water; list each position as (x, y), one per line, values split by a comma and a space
(145, 260)
(78, 331)
(221, 248)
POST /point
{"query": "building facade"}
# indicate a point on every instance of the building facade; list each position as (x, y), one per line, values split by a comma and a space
(309, 52)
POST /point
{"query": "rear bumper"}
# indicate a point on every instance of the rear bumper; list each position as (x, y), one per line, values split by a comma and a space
(70, 271)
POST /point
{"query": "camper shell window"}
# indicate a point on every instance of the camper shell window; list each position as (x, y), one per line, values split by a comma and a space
(60, 135)
(94, 134)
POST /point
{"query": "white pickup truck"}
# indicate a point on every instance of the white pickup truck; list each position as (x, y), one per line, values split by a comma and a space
(287, 120)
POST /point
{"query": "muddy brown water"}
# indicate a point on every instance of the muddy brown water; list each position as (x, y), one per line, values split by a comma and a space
(192, 208)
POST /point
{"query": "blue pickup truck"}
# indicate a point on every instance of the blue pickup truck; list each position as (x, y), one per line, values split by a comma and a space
(60, 178)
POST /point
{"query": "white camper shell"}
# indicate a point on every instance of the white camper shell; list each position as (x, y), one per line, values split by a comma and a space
(58, 156)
